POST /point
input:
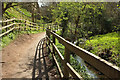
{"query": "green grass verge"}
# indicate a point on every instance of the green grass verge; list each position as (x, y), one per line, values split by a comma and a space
(8, 38)
(12, 36)
(106, 46)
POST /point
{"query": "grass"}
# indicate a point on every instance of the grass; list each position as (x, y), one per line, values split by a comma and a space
(75, 64)
(106, 46)
(13, 13)
(12, 36)
(24, 11)
(8, 38)
(18, 13)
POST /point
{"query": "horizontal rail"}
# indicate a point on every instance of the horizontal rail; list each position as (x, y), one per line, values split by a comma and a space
(56, 49)
(26, 21)
(7, 32)
(28, 24)
(18, 24)
(102, 65)
(73, 72)
(59, 69)
(7, 20)
(69, 67)
(16, 19)
(24, 27)
(8, 26)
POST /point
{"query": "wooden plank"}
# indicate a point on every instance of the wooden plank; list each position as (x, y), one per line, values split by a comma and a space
(67, 60)
(69, 67)
(28, 25)
(23, 28)
(7, 20)
(17, 19)
(73, 72)
(58, 67)
(19, 23)
(102, 65)
(56, 49)
(27, 21)
(8, 26)
(6, 32)
(54, 43)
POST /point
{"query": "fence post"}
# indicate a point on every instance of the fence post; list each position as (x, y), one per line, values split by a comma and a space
(43, 27)
(13, 24)
(6, 25)
(25, 26)
(48, 34)
(30, 26)
(66, 59)
(54, 43)
(19, 28)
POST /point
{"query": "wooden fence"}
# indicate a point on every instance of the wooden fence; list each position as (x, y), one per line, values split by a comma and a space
(102, 65)
(11, 24)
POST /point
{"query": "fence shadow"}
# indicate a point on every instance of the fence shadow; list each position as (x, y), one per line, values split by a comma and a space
(43, 68)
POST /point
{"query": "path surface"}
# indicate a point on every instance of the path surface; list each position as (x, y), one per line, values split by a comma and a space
(18, 56)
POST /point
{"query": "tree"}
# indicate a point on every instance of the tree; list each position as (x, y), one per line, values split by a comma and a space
(33, 8)
(87, 19)
(7, 5)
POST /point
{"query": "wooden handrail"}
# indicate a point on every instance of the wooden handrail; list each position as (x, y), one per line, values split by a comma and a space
(17, 23)
(7, 32)
(59, 69)
(102, 65)
(66, 64)
(8, 26)
(7, 20)
(13, 19)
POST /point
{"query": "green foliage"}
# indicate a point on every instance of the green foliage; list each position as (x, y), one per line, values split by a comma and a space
(80, 69)
(19, 13)
(12, 36)
(58, 32)
(86, 19)
(13, 13)
(7, 39)
(23, 11)
(74, 62)
(107, 44)
(60, 47)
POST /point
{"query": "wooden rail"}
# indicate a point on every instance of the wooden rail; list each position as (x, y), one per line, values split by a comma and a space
(9, 25)
(102, 65)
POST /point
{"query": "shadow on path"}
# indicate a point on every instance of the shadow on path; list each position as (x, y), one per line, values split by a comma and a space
(43, 66)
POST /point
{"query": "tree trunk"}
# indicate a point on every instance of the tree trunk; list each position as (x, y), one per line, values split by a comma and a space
(33, 16)
(64, 25)
(76, 22)
(32, 12)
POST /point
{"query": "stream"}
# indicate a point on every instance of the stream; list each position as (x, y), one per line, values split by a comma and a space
(90, 70)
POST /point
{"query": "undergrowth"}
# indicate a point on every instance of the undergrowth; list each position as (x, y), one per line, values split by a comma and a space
(12, 36)
(13, 13)
(75, 64)
(106, 46)
(18, 13)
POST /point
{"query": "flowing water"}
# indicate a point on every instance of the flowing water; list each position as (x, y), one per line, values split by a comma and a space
(90, 70)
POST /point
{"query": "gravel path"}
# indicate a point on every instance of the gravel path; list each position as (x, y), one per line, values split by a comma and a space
(17, 57)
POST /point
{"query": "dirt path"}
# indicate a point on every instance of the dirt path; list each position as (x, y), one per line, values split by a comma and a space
(18, 56)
